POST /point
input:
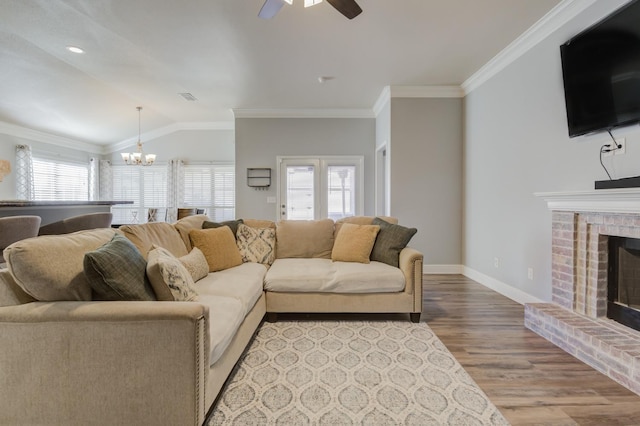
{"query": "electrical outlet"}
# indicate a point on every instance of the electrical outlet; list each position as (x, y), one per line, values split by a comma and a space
(622, 150)
(530, 273)
(496, 262)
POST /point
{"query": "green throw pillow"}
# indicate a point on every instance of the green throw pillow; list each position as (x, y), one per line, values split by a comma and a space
(117, 271)
(233, 224)
(390, 241)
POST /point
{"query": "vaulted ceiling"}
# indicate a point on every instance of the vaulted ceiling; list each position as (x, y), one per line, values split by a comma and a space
(147, 52)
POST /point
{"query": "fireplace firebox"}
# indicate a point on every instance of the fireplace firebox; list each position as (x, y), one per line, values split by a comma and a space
(623, 298)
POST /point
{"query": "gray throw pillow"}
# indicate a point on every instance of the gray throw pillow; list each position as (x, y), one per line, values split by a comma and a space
(390, 241)
(233, 224)
(117, 271)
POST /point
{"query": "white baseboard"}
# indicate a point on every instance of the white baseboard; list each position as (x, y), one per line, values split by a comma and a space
(443, 269)
(504, 289)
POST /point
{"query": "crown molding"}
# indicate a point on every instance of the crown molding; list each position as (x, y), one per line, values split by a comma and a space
(304, 113)
(39, 136)
(556, 18)
(171, 128)
(426, 92)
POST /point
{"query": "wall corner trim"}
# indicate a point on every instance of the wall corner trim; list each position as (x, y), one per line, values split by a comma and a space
(504, 289)
(562, 13)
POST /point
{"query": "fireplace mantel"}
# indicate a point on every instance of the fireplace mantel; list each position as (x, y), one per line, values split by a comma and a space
(623, 200)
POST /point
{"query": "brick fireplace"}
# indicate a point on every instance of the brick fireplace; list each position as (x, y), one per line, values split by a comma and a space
(576, 319)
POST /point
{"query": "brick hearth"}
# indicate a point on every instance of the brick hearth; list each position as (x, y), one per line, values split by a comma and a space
(576, 319)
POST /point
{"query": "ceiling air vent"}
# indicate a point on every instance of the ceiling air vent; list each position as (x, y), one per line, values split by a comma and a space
(188, 96)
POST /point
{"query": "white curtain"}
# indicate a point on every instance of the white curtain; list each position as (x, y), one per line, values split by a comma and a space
(25, 189)
(174, 188)
(105, 189)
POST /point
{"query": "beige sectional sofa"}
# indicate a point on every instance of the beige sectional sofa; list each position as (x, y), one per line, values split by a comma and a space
(68, 359)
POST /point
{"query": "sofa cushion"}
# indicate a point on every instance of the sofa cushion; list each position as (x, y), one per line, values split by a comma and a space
(243, 282)
(256, 245)
(169, 278)
(233, 224)
(51, 268)
(304, 239)
(390, 242)
(219, 247)
(325, 276)
(196, 264)
(354, 243)
(188, 224)
(117, 271)
(225, 316)
(161, 234)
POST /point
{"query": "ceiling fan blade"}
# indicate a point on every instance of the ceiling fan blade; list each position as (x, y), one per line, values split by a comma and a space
(348, 8)
(270, 8)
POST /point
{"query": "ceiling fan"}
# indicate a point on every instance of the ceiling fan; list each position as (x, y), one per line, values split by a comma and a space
(348, 8)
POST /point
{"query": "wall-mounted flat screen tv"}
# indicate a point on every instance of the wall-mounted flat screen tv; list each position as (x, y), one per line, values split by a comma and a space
(601, 73)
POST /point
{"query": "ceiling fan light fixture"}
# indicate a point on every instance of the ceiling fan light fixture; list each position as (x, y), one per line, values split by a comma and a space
(289, 1)
(309, 3)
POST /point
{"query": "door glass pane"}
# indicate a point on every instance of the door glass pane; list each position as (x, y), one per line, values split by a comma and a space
(341, 197)
(300, 193)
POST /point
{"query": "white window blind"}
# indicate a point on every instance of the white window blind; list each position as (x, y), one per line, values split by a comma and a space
(210, 187)
(56, 179)
(146, 186)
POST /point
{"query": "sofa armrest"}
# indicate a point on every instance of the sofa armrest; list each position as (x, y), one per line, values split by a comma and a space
(104, 363)
(410, 263)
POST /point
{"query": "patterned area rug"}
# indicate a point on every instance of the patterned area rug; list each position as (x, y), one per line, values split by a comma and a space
(351, 372)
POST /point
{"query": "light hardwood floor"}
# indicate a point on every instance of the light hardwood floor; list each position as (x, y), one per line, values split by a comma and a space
(529, 379)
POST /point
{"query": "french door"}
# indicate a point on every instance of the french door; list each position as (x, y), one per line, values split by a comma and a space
(320, 187)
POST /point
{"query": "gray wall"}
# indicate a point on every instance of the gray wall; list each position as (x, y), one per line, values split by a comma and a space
(516, 144)
(260, 140)
(426, 174)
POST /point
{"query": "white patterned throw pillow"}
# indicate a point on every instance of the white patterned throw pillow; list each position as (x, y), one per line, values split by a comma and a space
(168, 276)
(256, 245)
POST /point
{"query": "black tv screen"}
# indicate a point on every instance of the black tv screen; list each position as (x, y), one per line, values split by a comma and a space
(601, 73)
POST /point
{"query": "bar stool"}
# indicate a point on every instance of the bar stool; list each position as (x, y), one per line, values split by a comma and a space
(78, 223)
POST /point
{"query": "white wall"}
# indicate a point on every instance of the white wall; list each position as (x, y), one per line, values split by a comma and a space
(188, 145)
(426, 174)
(516, 144)
(260, 140)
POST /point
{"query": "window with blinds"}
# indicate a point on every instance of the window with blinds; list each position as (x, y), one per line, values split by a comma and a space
(210, 187)
(56, 179)
(145, 186)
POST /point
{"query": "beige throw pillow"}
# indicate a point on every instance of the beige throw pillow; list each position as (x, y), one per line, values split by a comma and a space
(196, 264)
(354, 243)
(218, 246)
(50, 267)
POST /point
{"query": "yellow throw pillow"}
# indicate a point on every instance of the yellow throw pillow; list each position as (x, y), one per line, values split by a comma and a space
(218, 246)
(354, 243)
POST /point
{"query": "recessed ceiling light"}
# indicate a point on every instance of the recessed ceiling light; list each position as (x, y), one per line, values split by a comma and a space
(74, 49)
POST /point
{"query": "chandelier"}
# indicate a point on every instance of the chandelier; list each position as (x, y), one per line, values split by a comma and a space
(138, 158)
